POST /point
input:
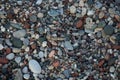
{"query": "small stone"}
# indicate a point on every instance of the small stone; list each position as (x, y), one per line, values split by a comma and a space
(108, 30)
(19, 33)
(90, 12)
(33, 18)
(51, 54)
(53, 13)
(98, 5)
(18, 59)
(25, 69)
(79, 24)
(26, 76)
(68, 45)
(16, 25)
(81, 3)
(8, 50)
(34, 66)
(72, 9)
(16, 50)
(90, 2)
(41, 54)
(33, 46)
(10, 56)
(56, 63)
(112, 69)
(1, 47)
(40, 15)
(17, 42)
(39, 2)
(66, 73)
(44, 43)
(101, 15)
(19, 2)
(84, 11)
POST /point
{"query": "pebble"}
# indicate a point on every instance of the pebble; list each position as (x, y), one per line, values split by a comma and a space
(81, 3)
(51, 54)
(18, 59)
(84, 11)
(19, 33)
(79, 24)
(1, 47)
(17, 43)
(38, 2)
(68, 45)
(33, 18)
(10, 56)
(34, 66)
(101, 15)
(53, 13)
(16, 25)
(25, 69)
(3, 60)
(72, 9)
(44, 43)
(41, 54)
(40, 15)
(66, 73)
(90, 12)
(112, 69)
(98, 5)
(108, 30)
(19, 2)
(26, 76)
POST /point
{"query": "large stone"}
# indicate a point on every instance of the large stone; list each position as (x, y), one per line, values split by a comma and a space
(17, 42)
(19, 33)
(34, 66)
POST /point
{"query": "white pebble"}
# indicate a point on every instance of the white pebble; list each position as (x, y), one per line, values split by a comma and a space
(41, 54)
(1, 47)
(44, 44)
(18, 59)
(25, 69)
(112, 69)
(39, 2)
(26, 76)
(10, 56)
(72, 9)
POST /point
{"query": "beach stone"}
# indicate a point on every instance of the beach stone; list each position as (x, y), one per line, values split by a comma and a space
(108, 30)
(90, 12)
(18, 59)
(41, 54)
(53, 13)
(101, 14)
(25, 69)
(84, 11)
(26, 76)
(19, 33)
(38, 2)
(112, 69)
(66, 73)
(68, 45)
(1, 47)
(40, 15)
(17, 42)
(72, 9)
(10, 56)
(34, 66)
(33, 18)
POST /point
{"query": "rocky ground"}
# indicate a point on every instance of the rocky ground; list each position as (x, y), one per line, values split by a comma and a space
(59, 39)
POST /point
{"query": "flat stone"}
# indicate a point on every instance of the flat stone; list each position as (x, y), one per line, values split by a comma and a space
(19, 33)
(108, 30)
(44, 43)
(26, 76)
(1, 47)
(53, 13)
(72, 9)
(34, 66)
(25, 69)
(68, 45)
(10, 56)
(16, 25)
(18, 59)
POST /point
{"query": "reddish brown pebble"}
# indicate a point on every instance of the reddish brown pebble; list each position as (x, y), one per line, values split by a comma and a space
(33, 46)
(27, 25)
(79, 24)
(56, 63)
(118, 25)
(3, 60)
(116, 47)
(8, 50)
(101, 62)
(117, 17)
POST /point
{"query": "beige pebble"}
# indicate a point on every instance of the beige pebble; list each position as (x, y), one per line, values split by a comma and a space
(51, 54)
